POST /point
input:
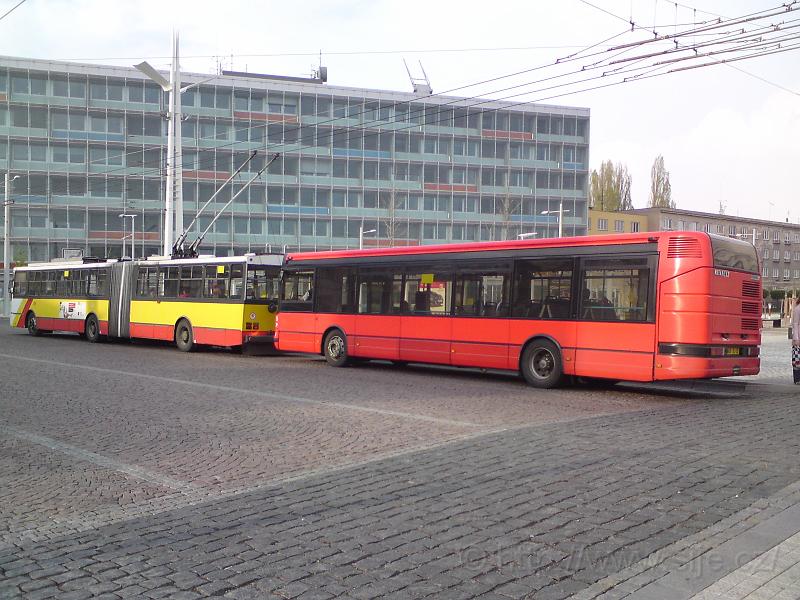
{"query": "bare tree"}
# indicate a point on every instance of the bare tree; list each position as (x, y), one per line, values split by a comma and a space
(509, 206)
(660, 187)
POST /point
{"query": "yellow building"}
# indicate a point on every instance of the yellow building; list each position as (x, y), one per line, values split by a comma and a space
(603, 222)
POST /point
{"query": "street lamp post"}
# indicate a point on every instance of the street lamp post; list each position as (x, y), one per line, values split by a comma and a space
(173, 217)
(7, 244)
(361, 234)
(744, 236)
(124, 216)
(560, 212)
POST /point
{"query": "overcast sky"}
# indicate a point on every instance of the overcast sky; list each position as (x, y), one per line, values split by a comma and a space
(726, 136)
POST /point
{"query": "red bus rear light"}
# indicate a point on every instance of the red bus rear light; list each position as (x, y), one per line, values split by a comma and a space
(703, 351)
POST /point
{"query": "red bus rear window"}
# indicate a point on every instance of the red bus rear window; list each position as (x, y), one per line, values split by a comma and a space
(734, 254)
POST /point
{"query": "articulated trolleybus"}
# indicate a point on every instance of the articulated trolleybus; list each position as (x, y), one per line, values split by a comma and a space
(637, 307)
(206, 300)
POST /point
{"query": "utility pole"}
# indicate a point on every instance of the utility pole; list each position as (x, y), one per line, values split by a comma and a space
(7, 245)
(174, 191)
(124, 216)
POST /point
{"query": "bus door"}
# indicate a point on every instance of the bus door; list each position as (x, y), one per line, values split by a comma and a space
(480, 316)
(616, 328)
(377, 326)
(119, 309)
(425, 327)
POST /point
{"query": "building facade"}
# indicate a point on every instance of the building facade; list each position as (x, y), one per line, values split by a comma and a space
(604, 222)
(777, 244)
(89, 142)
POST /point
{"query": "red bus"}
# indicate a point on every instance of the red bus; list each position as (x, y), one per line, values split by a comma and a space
(638, 307)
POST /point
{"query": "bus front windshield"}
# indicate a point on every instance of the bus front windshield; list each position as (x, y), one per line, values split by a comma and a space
(263, 284)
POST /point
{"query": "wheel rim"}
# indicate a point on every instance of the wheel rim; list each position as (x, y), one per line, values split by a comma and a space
(32, 323)
(335, 347)
(184, 335)
(92, 328)
(543, 363)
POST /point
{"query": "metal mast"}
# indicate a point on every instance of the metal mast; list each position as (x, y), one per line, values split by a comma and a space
(177, 146)
(174, 192)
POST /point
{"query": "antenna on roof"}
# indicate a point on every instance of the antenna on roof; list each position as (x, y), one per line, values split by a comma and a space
(320, 73)
(421, 85)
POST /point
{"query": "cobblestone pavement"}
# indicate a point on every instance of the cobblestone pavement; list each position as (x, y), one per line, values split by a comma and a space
(132, 470)
(775, 358)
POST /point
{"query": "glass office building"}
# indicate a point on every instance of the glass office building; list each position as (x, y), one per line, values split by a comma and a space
(88, 143)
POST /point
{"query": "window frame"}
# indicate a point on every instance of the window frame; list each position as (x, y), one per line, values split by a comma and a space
(650, 307)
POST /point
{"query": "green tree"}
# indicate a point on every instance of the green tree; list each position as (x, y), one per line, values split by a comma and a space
(611, 187)
(660, 187)
(20, 257)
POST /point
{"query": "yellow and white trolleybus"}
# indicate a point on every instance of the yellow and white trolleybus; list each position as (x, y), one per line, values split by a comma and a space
(220, 301)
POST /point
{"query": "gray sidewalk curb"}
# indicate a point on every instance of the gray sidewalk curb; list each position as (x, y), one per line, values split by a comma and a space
(756, 529)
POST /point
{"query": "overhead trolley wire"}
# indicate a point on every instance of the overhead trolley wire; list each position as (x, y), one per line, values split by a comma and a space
(459, 101)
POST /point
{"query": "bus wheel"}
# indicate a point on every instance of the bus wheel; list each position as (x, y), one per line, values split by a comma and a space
(184, 337)
(541, 364)
(335, 347)
(30, 323)
(91, 331)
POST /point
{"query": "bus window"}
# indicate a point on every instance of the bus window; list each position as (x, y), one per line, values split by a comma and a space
(482, 292)
(296, 291)
(74, 283)
(147, 282)
(734, 254)
(334, 290)
(615, 289)
(379, 292)
(51, 284)
(191, 285)
(98, 283)
(216, 281)
(427, 293)
(543, 288)
(169, 282)
(20, 288)
(236, 290)
(263, 283)
(35, 283)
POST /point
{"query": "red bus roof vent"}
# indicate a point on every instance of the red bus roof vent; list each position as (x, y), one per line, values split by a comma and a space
(684, 247)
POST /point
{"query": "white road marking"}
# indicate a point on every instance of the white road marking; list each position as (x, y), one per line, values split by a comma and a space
(261, 394)
(100, 460)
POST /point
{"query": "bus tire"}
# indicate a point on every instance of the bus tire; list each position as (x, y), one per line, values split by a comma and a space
(91, 330)
(541, 364)
(335, 348)
(31, 326)
(184, 336)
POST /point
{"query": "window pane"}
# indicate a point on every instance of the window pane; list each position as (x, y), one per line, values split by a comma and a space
(334, 290)
(482, 293)
(615, 289)
(379, 292)
(543, 289)
(427, 293)
(296, 291)
(216, 281)
(263, 284)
